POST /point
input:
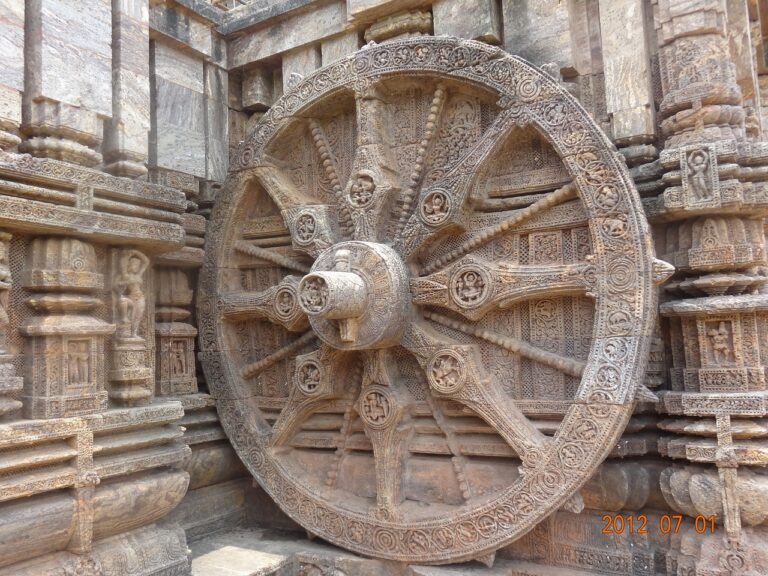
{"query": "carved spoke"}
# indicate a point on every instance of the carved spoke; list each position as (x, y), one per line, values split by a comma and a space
(373, 183)
(473, 286)
(565, 364)
(559, 196)
(455, 372)
(313, 226)
(270, 256)
(383, 409)
(278, 304)
(330, 165)
(440, 205)
(430, 130)
(255, 368)
(315, 385)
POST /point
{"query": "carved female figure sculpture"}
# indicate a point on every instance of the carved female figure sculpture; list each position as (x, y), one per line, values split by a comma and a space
(129, 289)
(698, 163)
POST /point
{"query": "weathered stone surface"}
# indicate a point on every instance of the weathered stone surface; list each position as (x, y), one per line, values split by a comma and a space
(179, 142)
(629, 99)
(539, 31)
(293, 32)
(299, 63)
(257, 88)
(185, 27)
(476, 19)
(334, 49)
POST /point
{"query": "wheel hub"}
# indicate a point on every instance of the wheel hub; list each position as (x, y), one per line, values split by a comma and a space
(356, 296)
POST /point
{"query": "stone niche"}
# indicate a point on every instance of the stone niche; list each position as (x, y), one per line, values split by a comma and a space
(64, 351)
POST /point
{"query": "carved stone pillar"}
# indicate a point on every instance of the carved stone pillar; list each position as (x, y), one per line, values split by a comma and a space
(68, 75)
(10, 383)
(12, 76)
(65, 347)
(175, 359)
(713, 206)
(127, 134)
(132, 355)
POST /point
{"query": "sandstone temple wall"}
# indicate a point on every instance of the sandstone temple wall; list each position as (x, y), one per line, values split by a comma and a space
(118, 120)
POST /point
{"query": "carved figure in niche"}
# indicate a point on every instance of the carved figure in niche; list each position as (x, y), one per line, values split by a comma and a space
(178, 358)
(361, 193)
(129, 288)
(314, 294)
(309, 377)
(710, 238)
(78, 356)
(698, 164)
(721, 348)
(469, 287)
(435, 207)
(305, 227)
(375, 407)
(285, 302)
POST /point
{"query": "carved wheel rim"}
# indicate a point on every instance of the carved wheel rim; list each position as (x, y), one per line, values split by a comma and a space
(440, 334)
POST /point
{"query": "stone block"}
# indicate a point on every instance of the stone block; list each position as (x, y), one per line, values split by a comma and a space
(130, 127)
(10, 106)
(178, 67)
(237, 122)
(235, 90)
(292, 32)
(12, 44)
(452, 18)
(628, 90)
(539, 31)
(367, 9)
(217, 140)
(135, 9)
(71, 51)
(219, 50)
(216, 83)
(300, 64)
(62, 120)
(131, 44)
(180, 131)
(182, 26)
(257, 88)
(338, 47)
(85, 25)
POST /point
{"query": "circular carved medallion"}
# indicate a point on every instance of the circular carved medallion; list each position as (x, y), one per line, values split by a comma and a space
(418, 308)
(446, 372)
(436, 207)
(308, 377)
(470, 286)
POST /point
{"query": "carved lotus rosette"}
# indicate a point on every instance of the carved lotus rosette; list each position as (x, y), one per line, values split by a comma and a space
(331, 422)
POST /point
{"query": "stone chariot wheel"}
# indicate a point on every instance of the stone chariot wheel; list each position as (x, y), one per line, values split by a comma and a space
(426, 301)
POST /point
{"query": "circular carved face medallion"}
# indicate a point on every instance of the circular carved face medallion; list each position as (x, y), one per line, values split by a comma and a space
(370, 306)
